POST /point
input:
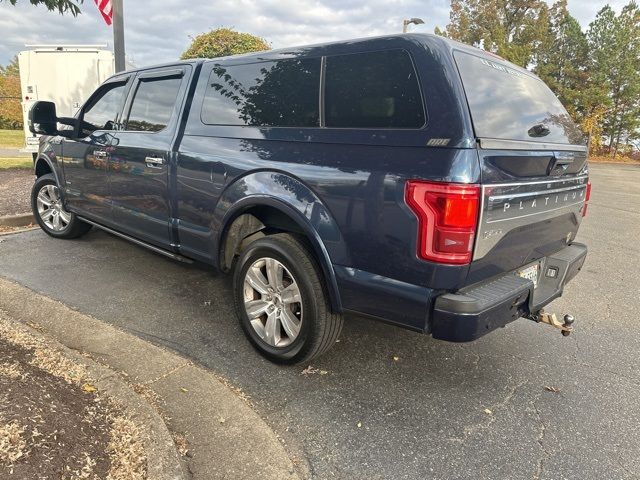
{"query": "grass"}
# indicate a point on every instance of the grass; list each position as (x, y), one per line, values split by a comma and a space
(11, 138)
(16, 162)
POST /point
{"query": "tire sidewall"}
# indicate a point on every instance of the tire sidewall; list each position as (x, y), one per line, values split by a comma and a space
(270, 247)
(48, 179)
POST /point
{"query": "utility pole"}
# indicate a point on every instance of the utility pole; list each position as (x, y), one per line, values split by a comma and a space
(118, 34)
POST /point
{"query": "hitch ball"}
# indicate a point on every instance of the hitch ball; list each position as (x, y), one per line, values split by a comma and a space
(551, 319)
(568, 321)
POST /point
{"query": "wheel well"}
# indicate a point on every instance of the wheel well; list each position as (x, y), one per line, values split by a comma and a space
(253, 223)
(42, 168)
(259, 221)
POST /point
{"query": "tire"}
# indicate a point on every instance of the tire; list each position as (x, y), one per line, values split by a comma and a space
(317, 327)
(49, 211)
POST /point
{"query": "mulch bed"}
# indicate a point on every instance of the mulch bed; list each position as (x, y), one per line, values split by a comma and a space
(15, 191)
(55, 429)
(54, 422)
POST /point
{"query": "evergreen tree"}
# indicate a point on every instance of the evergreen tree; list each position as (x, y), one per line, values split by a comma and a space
(513, 29)
(562, 59)
(614, 43)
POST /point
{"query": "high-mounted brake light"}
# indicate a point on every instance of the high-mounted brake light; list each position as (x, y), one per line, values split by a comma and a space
(587, 196)
(447, 219)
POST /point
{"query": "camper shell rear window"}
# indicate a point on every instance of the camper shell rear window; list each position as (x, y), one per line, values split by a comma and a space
(510, 104)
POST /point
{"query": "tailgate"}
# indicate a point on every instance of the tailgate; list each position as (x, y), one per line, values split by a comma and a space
(522, 221)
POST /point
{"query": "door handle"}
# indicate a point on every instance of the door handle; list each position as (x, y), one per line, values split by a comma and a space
(154, 162)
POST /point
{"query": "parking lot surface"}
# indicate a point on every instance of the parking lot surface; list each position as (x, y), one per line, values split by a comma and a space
(523, 402)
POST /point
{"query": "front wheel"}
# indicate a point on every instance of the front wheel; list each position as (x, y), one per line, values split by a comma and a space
(50, 213)
(282, 302)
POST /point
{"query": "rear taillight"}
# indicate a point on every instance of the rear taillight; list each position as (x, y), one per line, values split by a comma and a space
(587, 196)
(447, 219)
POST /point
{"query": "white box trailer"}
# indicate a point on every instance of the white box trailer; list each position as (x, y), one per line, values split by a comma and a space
(63, 74)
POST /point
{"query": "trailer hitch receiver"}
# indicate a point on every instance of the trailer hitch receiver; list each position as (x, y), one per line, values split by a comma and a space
(565, 326)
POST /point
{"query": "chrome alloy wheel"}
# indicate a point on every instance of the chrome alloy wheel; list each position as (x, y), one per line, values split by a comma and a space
(273, 302)
(50, 208)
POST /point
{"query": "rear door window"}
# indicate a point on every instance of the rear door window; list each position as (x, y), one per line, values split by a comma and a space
(284, 93)
(507, 103)
(373, 90)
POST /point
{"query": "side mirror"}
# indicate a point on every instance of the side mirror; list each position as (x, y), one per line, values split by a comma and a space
(43, 119)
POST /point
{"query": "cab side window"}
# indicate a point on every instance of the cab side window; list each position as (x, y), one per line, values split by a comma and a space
(102, 110)
(153, 104)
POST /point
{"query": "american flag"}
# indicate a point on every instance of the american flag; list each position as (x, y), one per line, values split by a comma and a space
(105, 9)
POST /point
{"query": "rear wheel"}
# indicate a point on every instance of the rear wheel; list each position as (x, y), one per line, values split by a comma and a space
(282, 302)
(50, 213)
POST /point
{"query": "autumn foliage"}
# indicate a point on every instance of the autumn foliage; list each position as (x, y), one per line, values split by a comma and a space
(10, 108)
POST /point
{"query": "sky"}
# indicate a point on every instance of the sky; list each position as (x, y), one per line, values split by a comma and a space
(159, 31)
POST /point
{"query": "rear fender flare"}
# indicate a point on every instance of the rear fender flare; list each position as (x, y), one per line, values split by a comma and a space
(296, 200)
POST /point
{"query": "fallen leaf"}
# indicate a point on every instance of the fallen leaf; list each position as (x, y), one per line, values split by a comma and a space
(552, 389)
(87, 387)
(396, 359)
(309, 370)
(323, 372)
(488, 412)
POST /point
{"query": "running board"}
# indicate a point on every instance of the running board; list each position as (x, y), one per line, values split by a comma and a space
(153, 248)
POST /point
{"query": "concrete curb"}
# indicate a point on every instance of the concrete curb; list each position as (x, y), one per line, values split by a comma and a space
(163, 462)
(226, 437)
(18, 230)
(20, 220)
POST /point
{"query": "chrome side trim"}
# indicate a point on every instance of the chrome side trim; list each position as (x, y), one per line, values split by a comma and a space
(499, 144)
(146, 245)
(539, 182)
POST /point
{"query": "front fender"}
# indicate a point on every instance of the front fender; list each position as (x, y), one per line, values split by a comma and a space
(293, 198)
(48, 153)
(44, 162)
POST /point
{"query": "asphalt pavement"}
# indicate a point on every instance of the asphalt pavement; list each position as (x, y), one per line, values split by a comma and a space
(522, 402)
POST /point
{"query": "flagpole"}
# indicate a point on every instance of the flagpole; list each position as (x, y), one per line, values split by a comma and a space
(118, 34)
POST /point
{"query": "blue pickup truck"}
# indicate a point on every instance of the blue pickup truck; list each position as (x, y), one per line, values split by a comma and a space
(408, 178)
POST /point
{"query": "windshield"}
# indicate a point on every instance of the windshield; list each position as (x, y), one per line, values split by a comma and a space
(508, 104)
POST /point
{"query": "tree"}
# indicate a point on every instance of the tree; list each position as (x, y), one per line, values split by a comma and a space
(222, 42)
(614, 43)
(63, 6)
(12, 69)
(513, 29)
(10, 108)
(562, 61)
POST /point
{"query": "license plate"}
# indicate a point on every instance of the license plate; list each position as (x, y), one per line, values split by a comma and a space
(530, 273)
